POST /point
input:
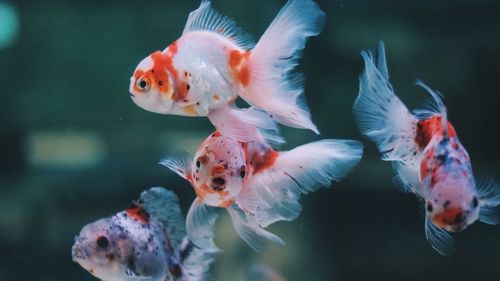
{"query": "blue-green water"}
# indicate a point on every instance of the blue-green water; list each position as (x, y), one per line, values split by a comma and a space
(75, 148)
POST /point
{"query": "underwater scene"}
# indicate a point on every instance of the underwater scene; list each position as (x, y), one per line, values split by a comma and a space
(266, 140)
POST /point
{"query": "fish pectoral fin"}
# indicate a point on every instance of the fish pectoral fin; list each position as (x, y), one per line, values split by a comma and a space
(245, 124)
(179, 164)
(135, 276)
(250, 231)
(439, 239)
(200, 223)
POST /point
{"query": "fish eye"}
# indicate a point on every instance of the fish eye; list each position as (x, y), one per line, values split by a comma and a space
(142, 83)
(102, 242)
(475, 202)
(242, 172)
(429, 208)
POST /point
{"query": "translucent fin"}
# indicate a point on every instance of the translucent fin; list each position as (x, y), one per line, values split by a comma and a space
(259, 272)
(406, 179)
(272, 87)
(273, 193)
(381, 115)
(245, 125)
(179, 164)
(208, 19)
(437, 107)
(439, 239)
(193, 262)
(200, 225)
(163, 205)
(249, 230)
(488, 192)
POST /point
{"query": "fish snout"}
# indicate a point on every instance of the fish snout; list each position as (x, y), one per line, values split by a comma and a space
(78, 253)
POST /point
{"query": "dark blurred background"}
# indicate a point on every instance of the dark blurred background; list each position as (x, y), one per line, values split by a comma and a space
(75, 148)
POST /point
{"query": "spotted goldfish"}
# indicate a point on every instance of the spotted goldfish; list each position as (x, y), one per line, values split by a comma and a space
(214, 61)
(256, 184)
(145, 242)
(427, 156)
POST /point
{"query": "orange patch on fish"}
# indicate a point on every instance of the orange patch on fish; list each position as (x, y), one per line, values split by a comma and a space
(427, 128)
(191, 110)
(238, 62)
(263, 161)
(139, 213)
(218, 170)
(449, 216)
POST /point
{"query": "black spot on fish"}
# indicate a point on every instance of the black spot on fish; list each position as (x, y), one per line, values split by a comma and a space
(429, 208)
(242, 172)
(475, 202)
(160, 83)
(441, 158)
(446, 204)
(198, 164)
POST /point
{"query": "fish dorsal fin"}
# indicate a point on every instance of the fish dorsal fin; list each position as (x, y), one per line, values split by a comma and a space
(433, 106)
(208, 19)
(163, 205)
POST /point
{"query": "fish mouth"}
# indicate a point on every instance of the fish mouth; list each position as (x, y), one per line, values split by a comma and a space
(78, 253)
(132, 95)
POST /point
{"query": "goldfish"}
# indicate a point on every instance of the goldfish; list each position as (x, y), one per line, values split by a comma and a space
(426, 154)
(144, 242)
(256, 184)
(214, 61)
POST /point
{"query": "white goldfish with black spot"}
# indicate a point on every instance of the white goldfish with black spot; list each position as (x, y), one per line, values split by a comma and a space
(146, 242)
(427, 156)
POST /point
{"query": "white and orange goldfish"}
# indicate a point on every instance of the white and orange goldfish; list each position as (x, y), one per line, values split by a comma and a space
(427, 156)
(214, 61)
(146, 242)
(256, 184)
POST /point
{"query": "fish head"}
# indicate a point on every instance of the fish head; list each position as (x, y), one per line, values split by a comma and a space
(454, 205)
(220, 168)
(102, 248)
(152, 85)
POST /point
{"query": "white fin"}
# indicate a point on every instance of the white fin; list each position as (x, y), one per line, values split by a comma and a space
(406, 179)
(381, 115)
(259, 272)
(179, 164)
(273, 193)
(272, 87)
(163, 205)
(194, 262)
(249, 230)
(437, 106)
(200, 225)
(245, 125)
(208, 19)
(439, 239)
(488, 192)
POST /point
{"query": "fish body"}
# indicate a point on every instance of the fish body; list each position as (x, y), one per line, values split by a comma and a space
(427, 156)
(256, 184)
(204, 71)
(143, 242)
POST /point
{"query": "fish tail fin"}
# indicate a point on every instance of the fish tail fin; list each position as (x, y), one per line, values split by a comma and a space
(381, 115)
(249, 230)
(275, 192)
(488, 192)
(163, 205)
(271, 85)
(191, 263)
